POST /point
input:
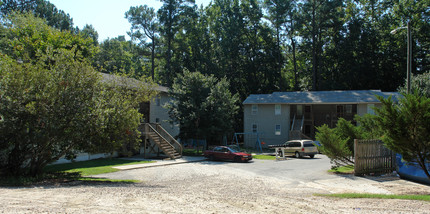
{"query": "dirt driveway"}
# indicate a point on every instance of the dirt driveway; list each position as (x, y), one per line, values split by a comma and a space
(215, 187)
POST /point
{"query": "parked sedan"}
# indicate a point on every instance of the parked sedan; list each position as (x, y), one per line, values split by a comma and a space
(227, 153)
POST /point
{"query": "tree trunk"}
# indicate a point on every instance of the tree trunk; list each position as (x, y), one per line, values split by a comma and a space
(314, 54)
(296, 84)
(153, 58)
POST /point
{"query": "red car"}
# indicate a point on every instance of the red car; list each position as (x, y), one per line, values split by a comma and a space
(227, 153)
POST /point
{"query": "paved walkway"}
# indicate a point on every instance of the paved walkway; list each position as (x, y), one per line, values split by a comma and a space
(158, 162)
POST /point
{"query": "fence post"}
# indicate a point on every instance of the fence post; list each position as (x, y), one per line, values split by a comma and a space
(356, 161)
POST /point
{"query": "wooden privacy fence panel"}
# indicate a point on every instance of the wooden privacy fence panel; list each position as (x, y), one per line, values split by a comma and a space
(371, 156)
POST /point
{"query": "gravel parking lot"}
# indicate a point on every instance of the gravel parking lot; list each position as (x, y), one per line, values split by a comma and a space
(261, 186)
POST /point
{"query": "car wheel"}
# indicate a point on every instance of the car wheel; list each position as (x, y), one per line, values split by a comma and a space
(297, 154)
(311, 156)
(211, 158)
(237, 159)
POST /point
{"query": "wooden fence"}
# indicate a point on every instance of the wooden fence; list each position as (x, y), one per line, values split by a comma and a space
(371, 156)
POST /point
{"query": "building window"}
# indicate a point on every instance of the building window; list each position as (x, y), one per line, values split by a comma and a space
(278, 130)
(348, 109)
(254, 109)
(158, 101)
(299, 110)
(278, 109)
(307, 109)
(339, 110)
(157, 120)
(370, 109)
(254, 128)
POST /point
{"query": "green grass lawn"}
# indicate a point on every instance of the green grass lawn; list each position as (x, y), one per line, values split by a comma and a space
(343, 169)
(192, 152)
(264, 157)
(76, 171)
(381, 196)
(91, 167)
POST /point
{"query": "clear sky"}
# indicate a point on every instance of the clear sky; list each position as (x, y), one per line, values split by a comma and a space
(106, 16)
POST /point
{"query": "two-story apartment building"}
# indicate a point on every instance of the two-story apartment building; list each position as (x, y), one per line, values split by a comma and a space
(282, 116)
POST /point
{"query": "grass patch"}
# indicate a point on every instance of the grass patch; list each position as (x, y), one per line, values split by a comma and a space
(343, 169)
(380, 196)
(264, 157)
(107, 180)
(75, 171)
(91, 167)
(192, 152)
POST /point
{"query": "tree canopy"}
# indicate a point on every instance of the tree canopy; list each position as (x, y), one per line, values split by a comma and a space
(203, 106)
(40, 8)
(54, 103)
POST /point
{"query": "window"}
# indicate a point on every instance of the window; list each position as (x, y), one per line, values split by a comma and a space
(278, 109)
(370, 109)
(339, 110)
(254, 128)
(348, 109)
(307, 109)
(158, 101)
(299, 110)
(254, 109)
(277, 129)
(157, 120)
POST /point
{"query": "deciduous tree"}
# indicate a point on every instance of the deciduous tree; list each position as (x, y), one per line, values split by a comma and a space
(53, 102)
(203, 106)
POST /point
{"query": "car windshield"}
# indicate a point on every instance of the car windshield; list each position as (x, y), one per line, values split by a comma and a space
(233, 150)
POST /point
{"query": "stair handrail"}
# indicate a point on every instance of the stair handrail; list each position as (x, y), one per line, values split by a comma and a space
(156, 132)
(166, 133)
(305, 136)
(303, 120)
(292, 126)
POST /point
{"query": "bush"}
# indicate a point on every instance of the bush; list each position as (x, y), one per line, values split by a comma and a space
(53, 103)
(407, 127)
(334, 146)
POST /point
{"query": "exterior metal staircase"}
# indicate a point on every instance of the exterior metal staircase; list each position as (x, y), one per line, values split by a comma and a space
(296, 132)
(163, 140)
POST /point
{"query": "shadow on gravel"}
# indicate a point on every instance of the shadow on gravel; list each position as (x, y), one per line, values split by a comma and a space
(219, 162)
(347, 176)
(61, 179)
(304, 158)
(49, 184)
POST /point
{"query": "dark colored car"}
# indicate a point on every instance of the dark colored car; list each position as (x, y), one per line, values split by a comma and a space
(227, 153)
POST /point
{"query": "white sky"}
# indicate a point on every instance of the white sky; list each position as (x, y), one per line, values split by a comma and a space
(106, 16)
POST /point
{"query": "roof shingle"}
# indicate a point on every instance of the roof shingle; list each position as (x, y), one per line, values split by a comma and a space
(319, 97)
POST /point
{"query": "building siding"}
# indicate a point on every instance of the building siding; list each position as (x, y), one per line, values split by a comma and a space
(361, 109)
(266, 121)
(159, 114)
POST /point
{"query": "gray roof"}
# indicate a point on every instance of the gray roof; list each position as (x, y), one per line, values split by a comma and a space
(319, 97)
(129, 82)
